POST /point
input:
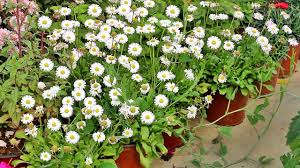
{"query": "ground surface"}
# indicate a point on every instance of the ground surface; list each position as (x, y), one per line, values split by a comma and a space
(273, 144)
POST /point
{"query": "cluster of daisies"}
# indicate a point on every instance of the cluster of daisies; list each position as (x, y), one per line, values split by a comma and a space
(113, 44)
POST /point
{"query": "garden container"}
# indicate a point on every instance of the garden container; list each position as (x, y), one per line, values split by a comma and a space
(272, 82)
(172, 142)
(286, 63)
(6, 160)
(218, 109)
(129, 158)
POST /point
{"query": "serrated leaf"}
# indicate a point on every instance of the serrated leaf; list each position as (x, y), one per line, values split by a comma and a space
(145, 132)
(225, 131)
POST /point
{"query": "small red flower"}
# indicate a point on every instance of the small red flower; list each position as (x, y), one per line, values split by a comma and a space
(282, 5)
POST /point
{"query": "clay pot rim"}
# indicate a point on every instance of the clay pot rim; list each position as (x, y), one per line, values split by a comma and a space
(6, 156)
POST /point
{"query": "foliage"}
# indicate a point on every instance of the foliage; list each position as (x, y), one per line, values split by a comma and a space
(292, 159)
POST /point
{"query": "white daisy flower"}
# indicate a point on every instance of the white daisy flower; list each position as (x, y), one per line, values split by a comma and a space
(69, 36)
(199, 32)
(172, 11)
(135, 49)
(273, 29)
(94, 51)
(89, 101)
(222, 78)
(97, 69)
(134, 66)
(189, 74)
(68, 101)
(236, 37)
(72, 137)
(171, 87)
(97, 110)
(62, 72)
(128, 30)
(109, 81)
(94, 10)
(262, 40)
(192, 112)
(153, 42)
(41, 85)
(161, 101)
(293, 42)
(45, 156)
(121, 38)
(251, 31)
(255, 5)
(87, 112)
(78, 94)
(27, 118)
(127, 132)
(80, 84)
(88, 161)
(64, 11)
(46, 65)
(53, 124)
(147, 117)
(228, 46)
(149, 3)
(213, 42)
(123, 10)
(142, 12)
(103, 36)
(44, 22)
(258, 16)
(98, 136)
(145, 88)
(90, 23)
(31, 131)
(286, 29)
(133, 110)
(66, 111)
(238, 15)
(28, 102)
(208, 99)
(285, 15)
(165, 23)
(165, 75)
(164, 60)
(267, 48)
(80, 125)
(137, 77)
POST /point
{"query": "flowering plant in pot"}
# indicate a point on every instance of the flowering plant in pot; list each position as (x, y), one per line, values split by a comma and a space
(278, 28)
(19, 49)
(113, 74)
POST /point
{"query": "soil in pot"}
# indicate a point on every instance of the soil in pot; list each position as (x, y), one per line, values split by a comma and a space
(272, 82)
(129, 158)
(219, 106)
(286, 63)
(8, 151)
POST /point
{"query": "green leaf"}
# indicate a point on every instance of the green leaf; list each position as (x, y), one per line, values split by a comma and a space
(145, 132)
(109, 151)
(162, 148)
(293, 136)
(108, 163)
(15, 163)
(264, 160)
(225, 131)
(4, 118)
(20, 134)
(223, 149)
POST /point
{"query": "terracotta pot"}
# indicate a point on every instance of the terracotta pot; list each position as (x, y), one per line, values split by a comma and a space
(219, 106)
(129, 158)
(9, 158)
(287, 62)
(172, 142)
(264, 90)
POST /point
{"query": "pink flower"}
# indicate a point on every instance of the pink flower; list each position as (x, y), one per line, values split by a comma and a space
(5, 165)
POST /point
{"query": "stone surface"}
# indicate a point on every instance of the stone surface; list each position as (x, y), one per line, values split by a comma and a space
(273, 144)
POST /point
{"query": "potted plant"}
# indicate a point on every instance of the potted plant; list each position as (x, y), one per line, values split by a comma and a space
(114, 78)
(18, 46)
(233, 61)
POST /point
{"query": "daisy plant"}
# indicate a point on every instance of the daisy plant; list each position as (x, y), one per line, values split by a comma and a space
(117, 73)
(237, 51)
(18, 56)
